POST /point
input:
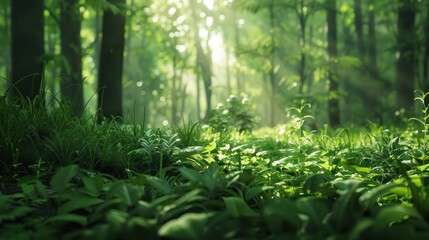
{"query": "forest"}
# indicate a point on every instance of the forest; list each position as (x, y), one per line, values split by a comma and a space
(216, 119)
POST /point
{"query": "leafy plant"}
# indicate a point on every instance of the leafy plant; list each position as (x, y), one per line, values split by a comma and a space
(236, 113)
(157, 148)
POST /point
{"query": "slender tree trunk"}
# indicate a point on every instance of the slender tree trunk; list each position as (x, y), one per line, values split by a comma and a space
(372, 62)
(359, 28)
(333, 101)
(426, 57)
(183, 101)
(302, 69)
(97, 45)
(71, 82)
(237, 47)
(6, 32)
(372, 41)
(52, 85)
(198, 79)
(111, 63)
(369, 95)
(272, 74)
(27, 50)
(310, 77)
(203, 61)
(228, 71)
(347, 78)
(207, 77)
(406, 60)
(174, 90)
(130, 35)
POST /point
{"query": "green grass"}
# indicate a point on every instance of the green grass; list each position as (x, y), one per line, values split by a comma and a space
(65, 177)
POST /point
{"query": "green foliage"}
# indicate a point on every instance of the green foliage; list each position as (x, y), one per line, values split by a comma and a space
(235, 113)
(156, 151)
(349, 183)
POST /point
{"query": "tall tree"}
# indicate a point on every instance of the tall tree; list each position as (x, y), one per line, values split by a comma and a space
(372, 41)
(333, 101)
(204, 61)
(71, 82)
(237, 47)
(376, 99)
(303, 10)
(303, 17)
(111, 61)
(426, 56)
(27, 51)
(5, 54)
(406, 54)
(359, 28)
(368, 95)
(272, 58)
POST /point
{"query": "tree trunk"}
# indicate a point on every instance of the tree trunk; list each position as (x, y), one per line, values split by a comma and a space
(97, 45)
(130, 35)
(52, 100)
(359, 28)
(372, 41)
(198, 79)
(333, 101)
(228, 70)
(6, 34)
(174, 88)
(111, 63)
(272, 74)
(347, 78)
(27, 50)
(237, 47)
(203, 62)
(426, 57)
(406, 60)
(302, 69)
(372, 64)
(71, 81)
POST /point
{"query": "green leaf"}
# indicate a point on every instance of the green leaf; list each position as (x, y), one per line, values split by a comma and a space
(192, 175)
(117, 217)
(93, 184)
(371, 197)
(62, 178)
(189, 226)
(100, 211)
(316, 182)
(68, 218)
(254, 191)
(345, 207)
(396, 213)
(78, 202)
(128, 193)
(360, 228)
(237, 207)
(284, 210)
(160, 184)
(209, 147)
(316, 209)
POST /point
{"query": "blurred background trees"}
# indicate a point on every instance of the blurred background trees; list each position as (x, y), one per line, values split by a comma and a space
(167, 60)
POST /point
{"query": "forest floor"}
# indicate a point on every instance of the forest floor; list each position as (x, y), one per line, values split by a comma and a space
(65, 177)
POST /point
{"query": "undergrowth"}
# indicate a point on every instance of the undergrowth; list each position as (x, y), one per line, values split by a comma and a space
(65, 177)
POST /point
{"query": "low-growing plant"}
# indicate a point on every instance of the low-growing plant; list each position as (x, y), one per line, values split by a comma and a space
(236, 112)
(189, 134)
(155, 151)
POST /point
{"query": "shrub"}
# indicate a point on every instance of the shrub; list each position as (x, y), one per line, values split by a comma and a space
(236, 113)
